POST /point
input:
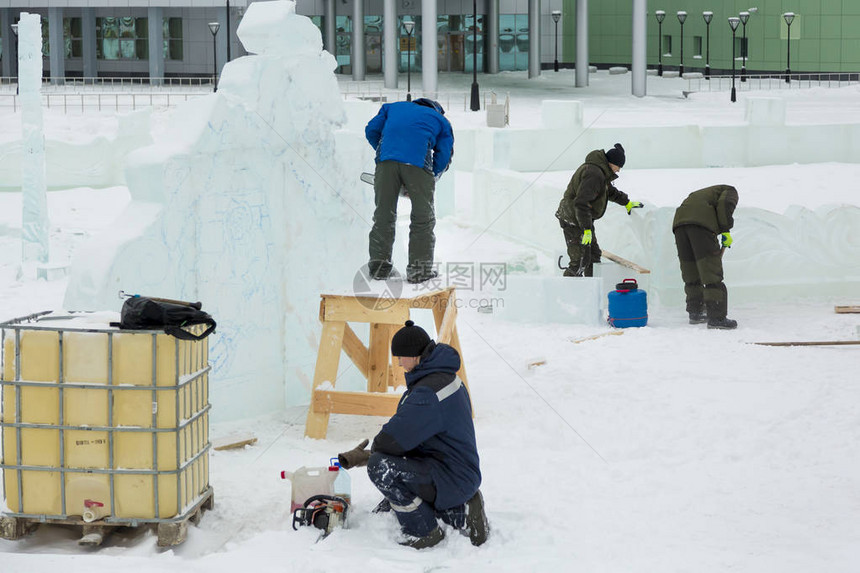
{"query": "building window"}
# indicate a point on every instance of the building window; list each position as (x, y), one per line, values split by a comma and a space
(173, 39)
(73, 39)
(667, 45)
(123, 38)
(697, 46)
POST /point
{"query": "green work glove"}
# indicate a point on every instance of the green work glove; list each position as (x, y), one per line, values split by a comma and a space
(726, 240)
(633, 205)
(586, 237)
(354, 458)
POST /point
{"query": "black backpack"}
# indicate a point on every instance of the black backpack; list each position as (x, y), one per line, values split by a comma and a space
(145, 313)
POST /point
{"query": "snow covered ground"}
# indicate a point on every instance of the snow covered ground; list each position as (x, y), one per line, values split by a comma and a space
(665, 448)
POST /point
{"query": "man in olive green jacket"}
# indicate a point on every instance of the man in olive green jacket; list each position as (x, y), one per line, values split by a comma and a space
(584, 201)
(702, 216)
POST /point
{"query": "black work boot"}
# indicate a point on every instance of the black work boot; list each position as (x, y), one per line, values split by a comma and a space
(420, 272)
(722, 323)
(698, 317)
(379, 270)
(429, 540)
(477, 527)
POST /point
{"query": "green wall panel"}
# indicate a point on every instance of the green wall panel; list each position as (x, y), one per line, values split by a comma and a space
(825, 34)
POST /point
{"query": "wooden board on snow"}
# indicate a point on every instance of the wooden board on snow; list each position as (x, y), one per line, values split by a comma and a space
(855, 309)
(234, 441)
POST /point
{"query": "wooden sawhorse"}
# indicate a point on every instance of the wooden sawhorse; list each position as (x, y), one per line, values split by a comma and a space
(374, 361)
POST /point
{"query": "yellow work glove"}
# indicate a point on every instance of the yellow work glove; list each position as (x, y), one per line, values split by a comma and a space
(633, 205)
(586, 237)
(726, 240)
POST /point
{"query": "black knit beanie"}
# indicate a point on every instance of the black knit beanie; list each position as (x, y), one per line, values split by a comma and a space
(410, 340)
(615, 155)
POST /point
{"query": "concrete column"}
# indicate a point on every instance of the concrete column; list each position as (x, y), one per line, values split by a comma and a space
(8, 43)
(534, 38)
(156, 45)
(429, 51)
(330, 40)
(88, 37)
(640, 30)
(57, 46)
(390, 48)
(581, 61)
(359, 68)
(491, 32)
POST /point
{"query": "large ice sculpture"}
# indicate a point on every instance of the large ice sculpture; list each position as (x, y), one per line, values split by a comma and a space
(248, 206)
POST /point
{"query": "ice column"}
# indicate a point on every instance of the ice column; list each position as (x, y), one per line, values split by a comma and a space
(34, 231)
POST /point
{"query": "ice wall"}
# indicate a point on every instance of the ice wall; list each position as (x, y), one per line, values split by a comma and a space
(250, 205)
(79, 161)
(796, 252)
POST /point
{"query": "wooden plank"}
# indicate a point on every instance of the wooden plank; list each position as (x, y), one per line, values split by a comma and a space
(234, 441)
(364, 309)
(356, 350)
(623, 262)
(328, 357)
(822, 343)
(596, 336)
(380, 341)
(851, 309)
(430, 299)
(326, 402)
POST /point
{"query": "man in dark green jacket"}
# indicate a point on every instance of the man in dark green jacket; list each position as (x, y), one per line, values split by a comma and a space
(584, 202)
(702, 216)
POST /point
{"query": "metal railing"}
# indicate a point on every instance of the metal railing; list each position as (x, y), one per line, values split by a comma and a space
(84, 102)
(377, 92)
(775, 81)
(78, 84)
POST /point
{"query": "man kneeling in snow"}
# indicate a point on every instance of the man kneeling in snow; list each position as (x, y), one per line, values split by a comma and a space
(425, 459)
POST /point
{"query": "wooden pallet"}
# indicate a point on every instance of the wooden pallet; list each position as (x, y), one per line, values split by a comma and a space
(170, 533)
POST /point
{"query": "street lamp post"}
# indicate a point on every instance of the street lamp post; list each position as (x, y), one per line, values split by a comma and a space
(556, 16)
(17, 74)
(660, 15)
(789, 18)
(733, 22)
(228, 30)
(409, 26)
(744, 16)
(708, 16)
(213, 27)
(681, 17)
(475, 104)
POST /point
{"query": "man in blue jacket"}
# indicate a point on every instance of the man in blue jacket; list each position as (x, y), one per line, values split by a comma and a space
(414, 144)
(425, 459)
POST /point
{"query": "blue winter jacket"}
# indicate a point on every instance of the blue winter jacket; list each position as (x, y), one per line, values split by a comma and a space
(411, 133)
(434, 422)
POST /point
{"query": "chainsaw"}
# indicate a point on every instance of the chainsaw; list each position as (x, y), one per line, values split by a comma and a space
(325, 512)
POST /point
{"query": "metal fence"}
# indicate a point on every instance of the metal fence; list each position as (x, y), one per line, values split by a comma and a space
(87, 102)
(773, 82)
(377, 92)
(50, 84)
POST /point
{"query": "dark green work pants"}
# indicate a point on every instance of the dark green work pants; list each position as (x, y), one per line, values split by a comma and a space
(702, 271)
(582, 257)
(420, 185)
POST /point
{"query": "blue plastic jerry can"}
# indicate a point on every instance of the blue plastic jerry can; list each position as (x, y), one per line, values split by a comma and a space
(628, 305)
